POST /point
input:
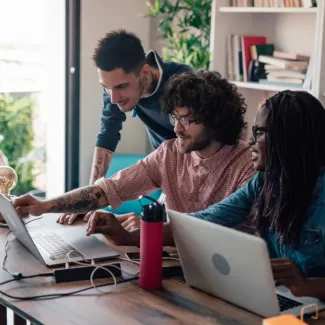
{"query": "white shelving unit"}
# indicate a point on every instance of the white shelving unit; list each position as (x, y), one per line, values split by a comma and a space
(298, 30)
(267, 10)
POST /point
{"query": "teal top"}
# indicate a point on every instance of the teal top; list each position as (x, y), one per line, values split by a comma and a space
(309, 256)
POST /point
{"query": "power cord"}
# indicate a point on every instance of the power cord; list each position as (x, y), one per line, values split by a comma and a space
(64, 294)
(99, 267)
(16, 275)
(49, 296)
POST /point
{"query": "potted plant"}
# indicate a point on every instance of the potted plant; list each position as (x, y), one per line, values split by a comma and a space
(184, 26)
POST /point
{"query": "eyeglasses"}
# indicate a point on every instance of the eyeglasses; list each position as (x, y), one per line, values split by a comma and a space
(185, 121)
(259, 133)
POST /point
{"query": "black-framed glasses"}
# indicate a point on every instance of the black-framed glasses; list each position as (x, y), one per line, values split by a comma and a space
(259, 133)
(185, 121)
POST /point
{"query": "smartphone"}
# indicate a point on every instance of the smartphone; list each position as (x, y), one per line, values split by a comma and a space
(136, 255)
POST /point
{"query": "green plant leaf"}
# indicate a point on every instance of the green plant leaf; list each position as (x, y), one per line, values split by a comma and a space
(188, 41)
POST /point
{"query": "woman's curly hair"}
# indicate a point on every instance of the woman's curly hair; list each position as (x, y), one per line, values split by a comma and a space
(211, 100)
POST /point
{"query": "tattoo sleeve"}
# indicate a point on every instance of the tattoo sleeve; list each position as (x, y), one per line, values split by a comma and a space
(81, 200)
(101, 161)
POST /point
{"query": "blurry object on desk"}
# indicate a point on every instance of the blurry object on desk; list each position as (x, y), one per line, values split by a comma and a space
(283, 320)
(8, 180)
(291, 319)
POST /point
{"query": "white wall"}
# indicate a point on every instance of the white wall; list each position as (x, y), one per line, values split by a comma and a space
(97, 18)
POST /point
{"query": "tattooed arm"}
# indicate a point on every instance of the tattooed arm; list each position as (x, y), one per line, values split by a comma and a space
(101, 161)
(80, 200)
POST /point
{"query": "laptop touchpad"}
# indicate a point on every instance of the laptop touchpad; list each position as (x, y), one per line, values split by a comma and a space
(90, 246)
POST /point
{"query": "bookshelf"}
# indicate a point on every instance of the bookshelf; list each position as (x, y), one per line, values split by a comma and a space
(297, 30)
(267, 10)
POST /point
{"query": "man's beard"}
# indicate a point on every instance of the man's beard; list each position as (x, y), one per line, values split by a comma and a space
(200, 143)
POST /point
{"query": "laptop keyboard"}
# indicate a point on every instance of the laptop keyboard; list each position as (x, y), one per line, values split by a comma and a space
(54, 246)
(287, 303)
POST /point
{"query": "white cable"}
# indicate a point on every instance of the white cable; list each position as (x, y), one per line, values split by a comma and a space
(134, 261)
(171, 258)
(110, 272)
(97, 267)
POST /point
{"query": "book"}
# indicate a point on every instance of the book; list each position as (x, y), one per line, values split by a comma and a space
(261, 49)
(282, 63)
(237, 58)
(279, 84)
(295, 81)
(290, 56)
(230, 60)
(283, 320)
(309, 75)
(246, 43)
(307, 3)
(284, 73)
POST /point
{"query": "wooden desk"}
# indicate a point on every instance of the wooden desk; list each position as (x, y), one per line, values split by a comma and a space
(175, 303)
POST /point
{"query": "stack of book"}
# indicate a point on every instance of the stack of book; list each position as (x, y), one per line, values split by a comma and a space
(252, 59)
(274, 3)
(285, 69)
(242, 53)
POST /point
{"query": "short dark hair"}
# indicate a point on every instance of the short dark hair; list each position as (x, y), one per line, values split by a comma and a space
(295, 153)
(119, 49)
(211, 100)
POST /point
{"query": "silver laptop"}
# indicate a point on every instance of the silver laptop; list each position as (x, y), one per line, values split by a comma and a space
(233, 266)
(52, 247)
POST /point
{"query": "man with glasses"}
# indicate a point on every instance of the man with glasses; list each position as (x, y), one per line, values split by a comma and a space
(205, 164)
(132, 80)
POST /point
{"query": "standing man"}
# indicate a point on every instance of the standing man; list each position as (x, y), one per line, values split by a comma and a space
(132, 80)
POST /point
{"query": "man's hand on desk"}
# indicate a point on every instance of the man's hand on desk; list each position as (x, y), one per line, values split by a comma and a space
(106, 223)
(28, 204)
(70, 218)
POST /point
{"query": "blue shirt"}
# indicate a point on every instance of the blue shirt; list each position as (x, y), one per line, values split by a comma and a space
(309, 257)
(148, 110)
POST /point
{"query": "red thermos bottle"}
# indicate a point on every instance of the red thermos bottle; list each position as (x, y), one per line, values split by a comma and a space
(151, 245)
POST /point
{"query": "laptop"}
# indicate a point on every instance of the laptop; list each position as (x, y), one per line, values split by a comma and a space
(52, 247)
(233, 266)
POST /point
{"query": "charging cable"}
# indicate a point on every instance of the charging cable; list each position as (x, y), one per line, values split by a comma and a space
(16, 275)
(98, 267)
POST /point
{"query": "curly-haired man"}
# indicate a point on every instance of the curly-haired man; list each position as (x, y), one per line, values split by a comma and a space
(206, 163)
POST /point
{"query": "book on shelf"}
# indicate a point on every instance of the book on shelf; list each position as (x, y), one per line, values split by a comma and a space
(235, 58)
(282, 63)
(246, 43)
(284, 73)
(239, 55)
(251, 58)
(288, 80)
(290, 56)
(263, 49)
(274, 3)
(279, 83)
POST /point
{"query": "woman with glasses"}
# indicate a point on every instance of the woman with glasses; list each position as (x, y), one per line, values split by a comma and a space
(285, 201)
